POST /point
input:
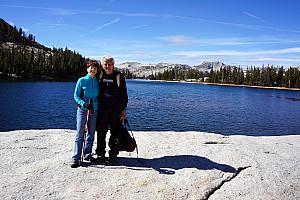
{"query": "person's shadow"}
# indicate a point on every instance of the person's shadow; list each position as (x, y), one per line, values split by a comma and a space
(169, 164)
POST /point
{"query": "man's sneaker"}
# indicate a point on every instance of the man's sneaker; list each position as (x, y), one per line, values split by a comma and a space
(90, 158)
(113, 153)
(101, 158)
(75, 164)
(100, 154)
(112, 157)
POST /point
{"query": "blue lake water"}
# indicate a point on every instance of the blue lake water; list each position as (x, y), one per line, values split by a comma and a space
(159, 106)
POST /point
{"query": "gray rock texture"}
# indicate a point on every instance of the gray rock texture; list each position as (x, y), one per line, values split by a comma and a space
(172, 165)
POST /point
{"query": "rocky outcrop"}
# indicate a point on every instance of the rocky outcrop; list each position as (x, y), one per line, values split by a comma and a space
(34, 164)
(144, 70)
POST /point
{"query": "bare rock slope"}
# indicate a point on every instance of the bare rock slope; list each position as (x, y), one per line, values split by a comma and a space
(191, 165)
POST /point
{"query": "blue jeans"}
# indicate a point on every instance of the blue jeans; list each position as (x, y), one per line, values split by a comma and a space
(80, 138)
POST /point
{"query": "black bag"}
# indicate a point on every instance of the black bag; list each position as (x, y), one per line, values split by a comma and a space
(126, 141)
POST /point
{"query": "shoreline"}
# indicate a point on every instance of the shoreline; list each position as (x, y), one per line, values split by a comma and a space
(223, 84)
(252, 86)
(49, 79)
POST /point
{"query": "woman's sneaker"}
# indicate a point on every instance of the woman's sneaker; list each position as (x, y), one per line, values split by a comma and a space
(75, 164)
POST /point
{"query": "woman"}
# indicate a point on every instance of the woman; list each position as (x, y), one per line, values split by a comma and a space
(86, 96)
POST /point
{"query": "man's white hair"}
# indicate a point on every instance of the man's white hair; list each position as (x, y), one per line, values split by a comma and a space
(108, 58)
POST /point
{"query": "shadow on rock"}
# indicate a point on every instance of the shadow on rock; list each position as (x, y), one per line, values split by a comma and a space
(169, 164)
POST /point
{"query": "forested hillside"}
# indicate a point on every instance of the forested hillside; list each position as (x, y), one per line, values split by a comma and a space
(268, 76)
(22, 57)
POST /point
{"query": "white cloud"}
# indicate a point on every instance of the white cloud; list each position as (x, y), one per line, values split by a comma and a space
(233, 52)
(186, 40)
(287, 50)
(176, 39)
(25, 29)
(54, 11)
(11, 23)
(251, 15)
(194, 54)
(139, 26)
(52, 24)
(271, 59)
(285, 57)
(64, 12)
(107, 24)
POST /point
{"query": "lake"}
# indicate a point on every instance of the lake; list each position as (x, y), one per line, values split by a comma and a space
(159, 106)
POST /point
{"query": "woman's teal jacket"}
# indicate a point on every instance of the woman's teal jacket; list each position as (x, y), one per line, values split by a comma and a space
(87, 87)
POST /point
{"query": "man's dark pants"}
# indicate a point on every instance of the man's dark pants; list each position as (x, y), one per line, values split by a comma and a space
(107, 119)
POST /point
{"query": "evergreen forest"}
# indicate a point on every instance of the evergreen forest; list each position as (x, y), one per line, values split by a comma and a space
(22, 57)
(267, 76)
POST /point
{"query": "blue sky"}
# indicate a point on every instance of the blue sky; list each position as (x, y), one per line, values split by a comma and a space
(236, 32)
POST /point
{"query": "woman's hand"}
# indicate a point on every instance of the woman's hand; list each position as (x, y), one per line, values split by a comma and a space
(122, 115)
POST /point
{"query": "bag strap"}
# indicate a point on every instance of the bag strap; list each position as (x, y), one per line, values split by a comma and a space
(126, 123)
(118, 80)
(100, 75)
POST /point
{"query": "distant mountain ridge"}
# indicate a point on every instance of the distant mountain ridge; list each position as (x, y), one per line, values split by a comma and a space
(143, 70)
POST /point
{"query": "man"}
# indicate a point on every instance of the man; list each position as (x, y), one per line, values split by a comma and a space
(112, 104)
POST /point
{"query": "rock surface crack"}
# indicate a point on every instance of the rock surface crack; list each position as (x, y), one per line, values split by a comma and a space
(214, 189)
